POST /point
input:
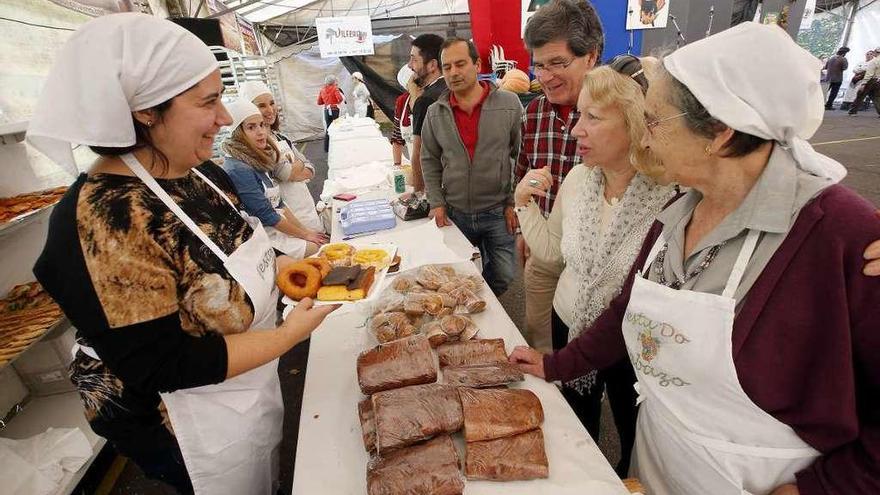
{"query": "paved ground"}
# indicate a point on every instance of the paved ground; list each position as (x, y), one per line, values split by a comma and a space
(854, 141)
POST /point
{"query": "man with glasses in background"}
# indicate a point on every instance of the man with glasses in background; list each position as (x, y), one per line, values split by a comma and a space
(565, 40)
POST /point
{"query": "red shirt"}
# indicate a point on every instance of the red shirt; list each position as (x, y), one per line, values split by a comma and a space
(468, 124)
(330, 96)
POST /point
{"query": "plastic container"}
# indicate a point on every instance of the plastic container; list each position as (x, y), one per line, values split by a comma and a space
(358, 217)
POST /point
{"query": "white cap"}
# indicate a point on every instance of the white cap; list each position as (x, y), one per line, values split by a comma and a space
(358, 76)
(250, 90)
(404, 75)
(240, 110)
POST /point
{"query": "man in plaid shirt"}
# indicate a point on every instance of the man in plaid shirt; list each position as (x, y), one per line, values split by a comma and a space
(565, 39)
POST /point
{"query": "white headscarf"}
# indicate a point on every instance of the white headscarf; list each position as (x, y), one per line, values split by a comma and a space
(755, 79)
(249, 90)
(110, 67)
(240, 110)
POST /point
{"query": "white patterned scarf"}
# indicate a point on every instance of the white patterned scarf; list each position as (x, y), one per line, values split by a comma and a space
(602, 259)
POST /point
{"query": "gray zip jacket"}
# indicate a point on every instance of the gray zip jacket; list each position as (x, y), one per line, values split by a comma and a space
(451, 178)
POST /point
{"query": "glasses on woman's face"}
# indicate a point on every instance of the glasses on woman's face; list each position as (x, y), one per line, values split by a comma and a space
(653, 123)
(553, 67)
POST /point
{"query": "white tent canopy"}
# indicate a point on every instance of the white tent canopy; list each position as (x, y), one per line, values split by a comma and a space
(304, 12)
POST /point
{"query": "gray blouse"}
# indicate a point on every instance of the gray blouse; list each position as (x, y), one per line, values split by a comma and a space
(771, 207)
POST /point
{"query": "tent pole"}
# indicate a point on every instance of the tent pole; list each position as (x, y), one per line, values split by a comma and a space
(847, 30)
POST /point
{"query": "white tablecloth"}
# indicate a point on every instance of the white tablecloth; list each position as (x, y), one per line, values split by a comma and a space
(330, 456)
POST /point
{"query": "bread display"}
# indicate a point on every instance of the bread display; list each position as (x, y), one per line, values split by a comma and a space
(431, 468)
(481, 375)
(26, 314)
(397, 364)
(11, 208)
(477, 351)
(409, 415)
(368, 423)
(498, 413)
(514, 458)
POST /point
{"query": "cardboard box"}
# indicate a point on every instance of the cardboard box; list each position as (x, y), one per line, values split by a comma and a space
(43, 367)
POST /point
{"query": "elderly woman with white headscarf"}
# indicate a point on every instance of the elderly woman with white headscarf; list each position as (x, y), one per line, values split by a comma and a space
(747, 318)
(170, 287)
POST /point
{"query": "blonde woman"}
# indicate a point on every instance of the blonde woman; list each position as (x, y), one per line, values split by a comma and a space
(603, 211)
(251, 156)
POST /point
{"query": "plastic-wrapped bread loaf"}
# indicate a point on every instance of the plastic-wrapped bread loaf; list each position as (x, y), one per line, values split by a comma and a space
(408, 415)
(431, 468)
(482, 375)
(396, 364)
(477, 351)
(520, 457)
(498, 413)
(368, 423)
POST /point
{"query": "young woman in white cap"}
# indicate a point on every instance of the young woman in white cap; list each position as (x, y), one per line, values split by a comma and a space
(293, 170)
(747, 317)
(170, 286)
(252, 155)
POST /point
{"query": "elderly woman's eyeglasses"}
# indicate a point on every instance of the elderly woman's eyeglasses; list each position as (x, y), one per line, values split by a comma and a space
(653, 123)
(553, 67)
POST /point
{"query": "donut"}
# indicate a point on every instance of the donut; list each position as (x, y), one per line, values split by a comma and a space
(321, 264)
(299, 280)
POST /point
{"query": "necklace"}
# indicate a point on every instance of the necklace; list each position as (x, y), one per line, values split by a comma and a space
(676, 284)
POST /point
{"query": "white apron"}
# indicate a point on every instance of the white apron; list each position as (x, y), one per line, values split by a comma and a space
(698, 432)
(287, 244)
(229, 433)
(296, 195)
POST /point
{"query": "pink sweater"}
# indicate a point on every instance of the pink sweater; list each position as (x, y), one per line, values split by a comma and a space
(806, 342)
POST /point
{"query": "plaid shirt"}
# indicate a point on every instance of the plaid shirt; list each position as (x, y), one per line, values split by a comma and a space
(547, 142)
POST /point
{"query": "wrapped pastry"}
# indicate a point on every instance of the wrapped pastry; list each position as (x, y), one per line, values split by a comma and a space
(448, 271)
(431, 277)
(396, 364)
(368, 423)
(477, 351)
(391, 326)
(408, 415)
(417, 304)
(403, 284)
(436, 335)
(518, 457)
(482, 375)
(497, 413)
(454, 325)
(432, 468)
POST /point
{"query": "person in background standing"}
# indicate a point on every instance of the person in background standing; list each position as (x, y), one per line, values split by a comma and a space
(401, 132)
(330, 98)
(470, 141)
(871, 87)
(835, 67)
(294, 170)
(360, 94)
(857, 82)
(565, 39)
(424, 60)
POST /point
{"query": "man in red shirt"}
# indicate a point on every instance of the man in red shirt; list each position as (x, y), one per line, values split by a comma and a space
(565, 39)
(470, 140)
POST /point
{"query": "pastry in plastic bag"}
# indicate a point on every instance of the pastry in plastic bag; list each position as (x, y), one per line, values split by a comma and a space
(408, 415)
(417, 304)
(476, 351)
(497, 413)
(430, 468)
(482, 375)
(391, 326)
(368, 423)
(396, 364)
(431, 277)
(436, 335)
(520, 457)
(458, 327)
(403, 284)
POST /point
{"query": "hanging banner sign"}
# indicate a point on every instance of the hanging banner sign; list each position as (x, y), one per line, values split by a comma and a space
(809, 13)
(344, 36)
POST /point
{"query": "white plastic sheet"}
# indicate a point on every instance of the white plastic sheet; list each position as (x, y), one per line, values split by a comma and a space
(36, 465)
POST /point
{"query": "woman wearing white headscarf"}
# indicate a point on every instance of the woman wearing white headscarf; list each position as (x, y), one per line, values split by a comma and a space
(360, 94)
(747, 317)
(170, 287)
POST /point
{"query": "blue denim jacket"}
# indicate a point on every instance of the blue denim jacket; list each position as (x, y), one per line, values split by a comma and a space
(249, 183)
